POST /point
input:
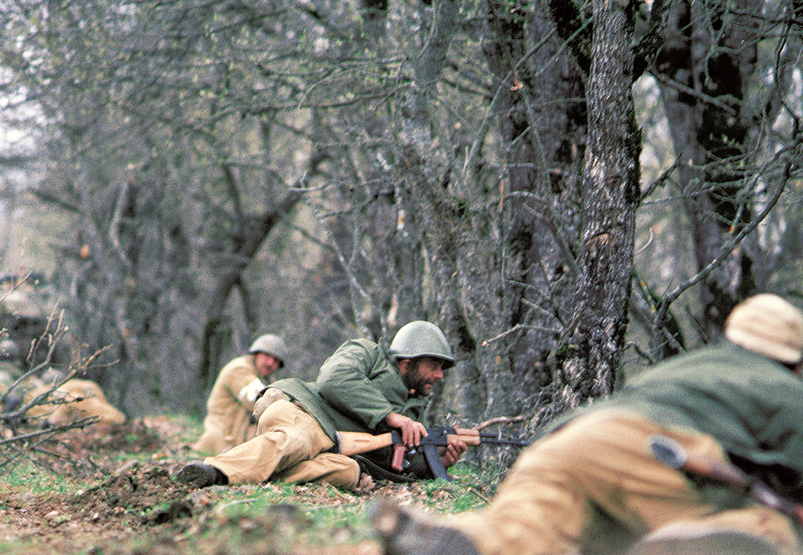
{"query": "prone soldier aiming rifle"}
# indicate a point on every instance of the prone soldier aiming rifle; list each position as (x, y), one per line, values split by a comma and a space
(354, 443)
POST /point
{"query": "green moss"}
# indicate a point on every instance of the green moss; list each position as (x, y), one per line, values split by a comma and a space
(566, 352)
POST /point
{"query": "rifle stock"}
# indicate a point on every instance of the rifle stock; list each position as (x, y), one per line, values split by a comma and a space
(354, 443)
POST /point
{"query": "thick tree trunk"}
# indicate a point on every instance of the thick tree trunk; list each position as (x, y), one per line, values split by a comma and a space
(589, 362)
(543, 151)
(704, 78)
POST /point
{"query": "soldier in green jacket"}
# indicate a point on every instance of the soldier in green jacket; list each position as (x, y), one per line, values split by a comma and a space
(591, 484)
(361, 388)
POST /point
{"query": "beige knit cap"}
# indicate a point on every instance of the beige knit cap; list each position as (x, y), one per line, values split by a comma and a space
(768, 325)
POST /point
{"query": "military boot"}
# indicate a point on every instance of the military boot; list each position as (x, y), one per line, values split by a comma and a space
(406, 533)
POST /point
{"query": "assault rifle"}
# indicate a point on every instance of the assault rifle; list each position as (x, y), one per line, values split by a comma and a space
(354, 443)
(671, 453)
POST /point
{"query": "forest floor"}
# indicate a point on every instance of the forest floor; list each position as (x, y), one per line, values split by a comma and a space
(111, 492)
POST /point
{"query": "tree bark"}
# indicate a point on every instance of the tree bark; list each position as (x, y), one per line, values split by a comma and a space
(704, 72)
(588, 363)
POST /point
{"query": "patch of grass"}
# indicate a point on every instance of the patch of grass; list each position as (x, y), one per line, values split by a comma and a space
(310, 515)
(35, 479)
(191, 427)
(318, 514)
(122, 516)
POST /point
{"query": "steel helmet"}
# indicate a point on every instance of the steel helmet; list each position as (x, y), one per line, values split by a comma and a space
(418, 339)
(270, 344)
(767, 325)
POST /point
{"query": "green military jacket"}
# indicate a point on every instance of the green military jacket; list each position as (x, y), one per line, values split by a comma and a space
(752, 405)
(357, 387)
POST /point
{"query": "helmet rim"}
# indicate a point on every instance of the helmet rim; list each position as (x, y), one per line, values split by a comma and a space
(421, 339)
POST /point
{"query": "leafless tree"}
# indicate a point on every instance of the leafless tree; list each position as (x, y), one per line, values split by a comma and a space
(724, 76)
(21, 436)
(336, 168)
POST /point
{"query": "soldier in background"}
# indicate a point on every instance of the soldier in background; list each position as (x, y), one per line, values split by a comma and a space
(73, 400)
(24, 321)
(231, 401)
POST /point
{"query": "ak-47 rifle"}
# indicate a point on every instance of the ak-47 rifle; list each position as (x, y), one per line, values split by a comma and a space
(671, 453)
(354, 443)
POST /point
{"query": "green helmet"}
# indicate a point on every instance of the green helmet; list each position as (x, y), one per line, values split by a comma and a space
(270, 344)
(418, 339)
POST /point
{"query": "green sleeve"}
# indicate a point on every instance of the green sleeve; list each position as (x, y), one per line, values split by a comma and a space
(359, 381)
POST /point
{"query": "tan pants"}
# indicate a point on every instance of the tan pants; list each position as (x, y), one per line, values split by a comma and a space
(566, 492)
(291, 446)
(78, 399)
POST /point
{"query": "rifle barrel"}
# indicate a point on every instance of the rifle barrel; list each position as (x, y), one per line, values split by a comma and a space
(497, 438)
(499, 441)
(475, 437)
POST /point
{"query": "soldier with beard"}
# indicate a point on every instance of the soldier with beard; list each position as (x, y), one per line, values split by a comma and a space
(592, 482)
(362, 387)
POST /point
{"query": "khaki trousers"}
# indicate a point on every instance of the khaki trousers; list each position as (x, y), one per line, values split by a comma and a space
(81, 398)
(289, 445)
(574, 488)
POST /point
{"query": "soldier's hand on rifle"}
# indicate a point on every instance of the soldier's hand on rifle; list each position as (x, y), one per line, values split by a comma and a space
(411, 431)
(452, 452)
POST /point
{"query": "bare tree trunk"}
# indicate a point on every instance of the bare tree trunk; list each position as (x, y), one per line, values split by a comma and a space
(589, 362)
(245, 250)
(543, 152)
(704, 73)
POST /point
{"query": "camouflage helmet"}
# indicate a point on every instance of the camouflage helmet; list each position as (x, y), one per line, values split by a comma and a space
(270, 344)
(768, 325)
(418, 339)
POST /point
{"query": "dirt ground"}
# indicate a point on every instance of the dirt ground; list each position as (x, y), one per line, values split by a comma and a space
(135, 507)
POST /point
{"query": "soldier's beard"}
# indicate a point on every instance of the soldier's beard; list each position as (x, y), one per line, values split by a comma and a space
(417, 385)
